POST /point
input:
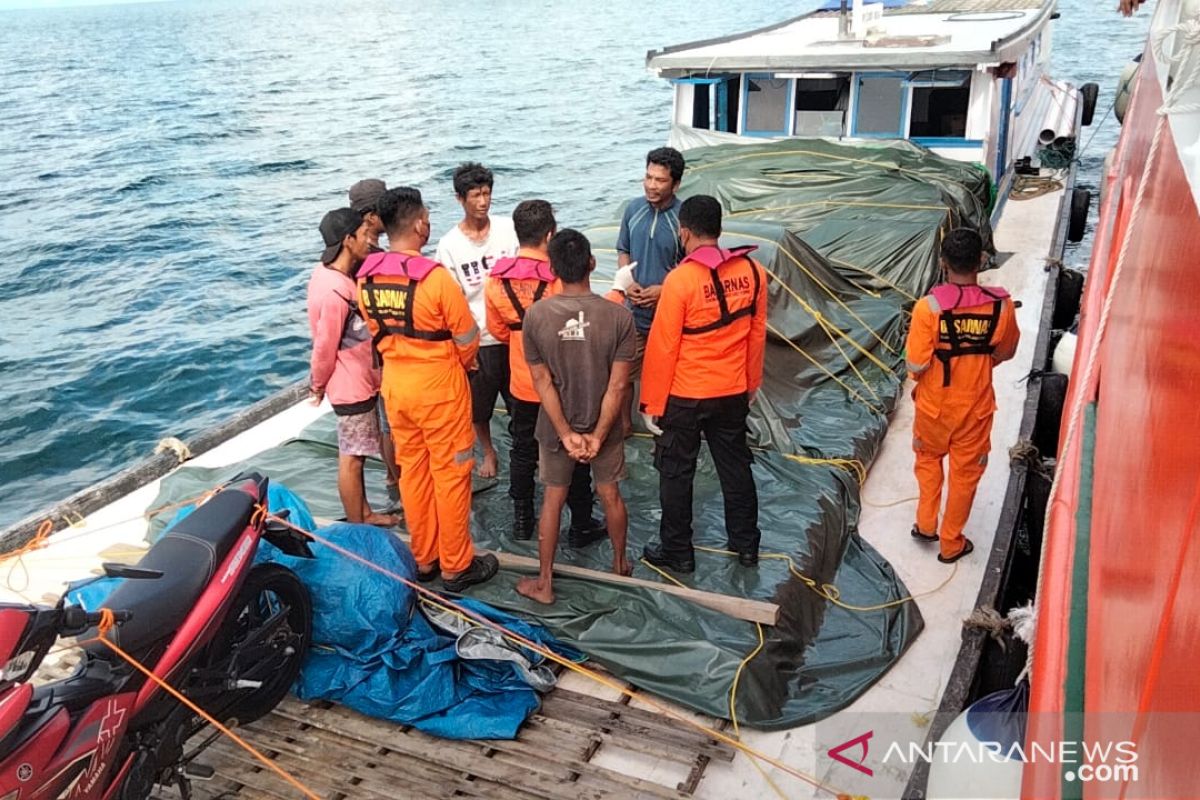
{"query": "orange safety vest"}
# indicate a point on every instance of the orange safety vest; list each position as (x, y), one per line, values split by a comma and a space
(417, 315)
(965, 329)
(708, 338)
(513, 286)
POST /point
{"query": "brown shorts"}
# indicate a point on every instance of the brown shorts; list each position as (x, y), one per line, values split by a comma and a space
(635, 366)
(555, 467)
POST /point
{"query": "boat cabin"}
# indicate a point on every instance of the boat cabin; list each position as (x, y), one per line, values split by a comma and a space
(964, 78)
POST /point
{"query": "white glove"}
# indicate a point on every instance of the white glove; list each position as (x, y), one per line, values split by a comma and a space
(624, 278)
(650, 423)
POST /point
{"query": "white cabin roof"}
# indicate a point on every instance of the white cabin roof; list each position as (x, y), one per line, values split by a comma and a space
(919, 34)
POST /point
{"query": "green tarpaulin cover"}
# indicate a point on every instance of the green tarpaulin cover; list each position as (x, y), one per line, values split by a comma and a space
(849, 235)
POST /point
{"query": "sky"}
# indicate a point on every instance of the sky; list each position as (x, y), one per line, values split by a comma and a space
(6, 5)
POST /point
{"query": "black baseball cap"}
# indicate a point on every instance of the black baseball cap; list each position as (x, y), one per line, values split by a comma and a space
(365, 193)
(335, 227)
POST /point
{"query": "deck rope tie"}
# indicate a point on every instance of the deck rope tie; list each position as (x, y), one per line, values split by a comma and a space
(1026, 452)
(1024, 627)
(1184, 62)
(178, 447)
(36, 542)
(989, 620)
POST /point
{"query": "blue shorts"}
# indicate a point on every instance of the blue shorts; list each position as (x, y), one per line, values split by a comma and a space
(384, 427)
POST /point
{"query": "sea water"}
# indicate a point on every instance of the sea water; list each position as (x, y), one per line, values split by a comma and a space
(164, 167)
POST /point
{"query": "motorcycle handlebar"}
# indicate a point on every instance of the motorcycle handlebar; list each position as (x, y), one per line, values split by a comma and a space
(75, 620)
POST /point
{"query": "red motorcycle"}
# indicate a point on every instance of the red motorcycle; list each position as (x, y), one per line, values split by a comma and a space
(225, 632)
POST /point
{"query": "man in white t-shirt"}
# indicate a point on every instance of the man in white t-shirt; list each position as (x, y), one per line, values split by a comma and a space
(469, 250)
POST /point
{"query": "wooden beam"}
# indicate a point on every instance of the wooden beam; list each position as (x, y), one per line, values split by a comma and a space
(737, 607)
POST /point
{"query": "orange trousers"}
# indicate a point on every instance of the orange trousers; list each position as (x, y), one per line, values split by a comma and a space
(434, 449)
(967, 444)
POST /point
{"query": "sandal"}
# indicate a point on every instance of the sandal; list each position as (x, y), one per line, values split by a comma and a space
(923, 537)
(435, 572)
(968, 548)
(483, 568)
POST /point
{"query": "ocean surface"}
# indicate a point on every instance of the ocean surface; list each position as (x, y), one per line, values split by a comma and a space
(164, 167)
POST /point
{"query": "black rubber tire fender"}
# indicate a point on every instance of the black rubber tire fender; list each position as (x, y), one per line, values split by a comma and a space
(1087, 97)
(1081, 201)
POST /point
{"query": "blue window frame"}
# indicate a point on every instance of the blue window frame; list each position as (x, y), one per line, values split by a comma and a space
(880, 105)
(757, 118)
(1003, 133)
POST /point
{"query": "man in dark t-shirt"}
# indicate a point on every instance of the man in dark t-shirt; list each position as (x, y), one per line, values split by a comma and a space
(579, 347)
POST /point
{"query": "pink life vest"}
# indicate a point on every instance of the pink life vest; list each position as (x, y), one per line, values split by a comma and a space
(522, 268)
(390, 302)
(714, 258)
(965, 340)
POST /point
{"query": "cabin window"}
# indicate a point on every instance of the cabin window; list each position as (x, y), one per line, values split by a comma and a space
(940, 99)
(767, 103)
(821, 102)
(880, 106)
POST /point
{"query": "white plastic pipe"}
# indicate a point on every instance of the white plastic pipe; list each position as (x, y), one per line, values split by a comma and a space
(1059, 121)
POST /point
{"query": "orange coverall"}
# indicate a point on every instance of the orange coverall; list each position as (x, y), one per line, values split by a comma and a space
(502, 315)
(955, 402)
(427, 398)
(724, 361)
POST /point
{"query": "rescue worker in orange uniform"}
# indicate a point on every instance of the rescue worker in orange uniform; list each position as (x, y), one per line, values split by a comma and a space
(515, 284)
(423, 331)
(703, 368)
(959, 331)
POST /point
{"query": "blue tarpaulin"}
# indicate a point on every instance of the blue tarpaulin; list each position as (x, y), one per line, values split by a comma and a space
(375, 651)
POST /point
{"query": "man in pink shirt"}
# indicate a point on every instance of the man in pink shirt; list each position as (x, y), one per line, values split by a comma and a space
(342, 366)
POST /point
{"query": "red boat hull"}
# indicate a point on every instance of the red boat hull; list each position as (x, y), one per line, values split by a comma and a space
(1119, 603)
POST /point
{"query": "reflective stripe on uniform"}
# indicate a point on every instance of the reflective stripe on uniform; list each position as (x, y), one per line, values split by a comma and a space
(468, 336)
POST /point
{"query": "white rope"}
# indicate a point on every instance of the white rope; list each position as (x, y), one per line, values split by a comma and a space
(1023, 621)
(1094, 353)
(1184, 62)
(173, 445)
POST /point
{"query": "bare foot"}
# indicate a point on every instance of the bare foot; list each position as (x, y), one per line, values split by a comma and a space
(627, 431)
(534, 590)
(621, 566)
(490, 466)
(383, 520)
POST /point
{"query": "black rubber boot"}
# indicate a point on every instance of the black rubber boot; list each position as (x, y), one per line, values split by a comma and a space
(654, 555)
(524, 522)
(589, 532)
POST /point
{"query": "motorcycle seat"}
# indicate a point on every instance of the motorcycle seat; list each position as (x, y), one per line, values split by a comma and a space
(187, 556)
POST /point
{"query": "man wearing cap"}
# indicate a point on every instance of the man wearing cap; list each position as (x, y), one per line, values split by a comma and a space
(363, 196)
(342, 367)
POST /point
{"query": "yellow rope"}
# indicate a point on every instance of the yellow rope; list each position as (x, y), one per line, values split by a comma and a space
(829, 328)
(737, 676)
(849, 464)
(849, 389)
(733, 707)
(891, 504)
(830, 591)
(907, 294)
(847, 203)
(819, 282)
(815, 154)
